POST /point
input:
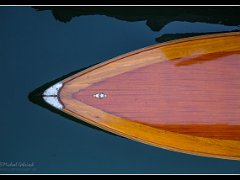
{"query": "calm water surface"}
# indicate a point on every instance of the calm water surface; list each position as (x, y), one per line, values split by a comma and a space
(37, 47)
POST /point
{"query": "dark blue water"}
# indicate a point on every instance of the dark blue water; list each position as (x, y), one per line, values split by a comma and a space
(36, 47)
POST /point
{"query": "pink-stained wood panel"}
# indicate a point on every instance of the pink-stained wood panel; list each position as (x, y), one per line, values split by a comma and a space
(197, 95)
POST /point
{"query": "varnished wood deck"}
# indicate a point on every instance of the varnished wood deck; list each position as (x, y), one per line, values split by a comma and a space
(181, 95)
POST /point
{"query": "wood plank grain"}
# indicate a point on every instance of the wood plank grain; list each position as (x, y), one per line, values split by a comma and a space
(205, 93)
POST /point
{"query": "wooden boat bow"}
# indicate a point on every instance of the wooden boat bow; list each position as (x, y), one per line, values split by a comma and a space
(182, 95)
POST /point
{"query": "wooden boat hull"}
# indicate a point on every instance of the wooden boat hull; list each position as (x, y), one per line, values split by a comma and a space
(180, 95)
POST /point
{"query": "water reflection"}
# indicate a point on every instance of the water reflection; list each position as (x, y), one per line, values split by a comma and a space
(169, 37)
(156, 17)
